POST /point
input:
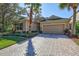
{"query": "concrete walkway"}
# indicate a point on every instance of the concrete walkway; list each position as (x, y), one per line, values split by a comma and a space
(43, 45)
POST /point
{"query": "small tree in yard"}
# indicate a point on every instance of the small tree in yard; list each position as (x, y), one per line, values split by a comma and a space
(77, 28)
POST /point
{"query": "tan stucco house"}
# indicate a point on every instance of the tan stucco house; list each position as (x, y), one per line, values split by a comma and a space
(52, 24)
(24, 25)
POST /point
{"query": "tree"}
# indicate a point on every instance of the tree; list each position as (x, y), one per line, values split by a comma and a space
(6, 13)
(9, 13)
(34, 8)
(74, 7)
(2, 13)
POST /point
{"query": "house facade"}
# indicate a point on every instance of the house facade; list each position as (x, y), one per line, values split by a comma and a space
(52, 24)
(24, 26)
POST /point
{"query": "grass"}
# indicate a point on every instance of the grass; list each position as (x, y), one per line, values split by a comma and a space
(5, 43)
(8, 40)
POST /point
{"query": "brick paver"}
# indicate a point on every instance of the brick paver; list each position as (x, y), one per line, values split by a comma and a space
(43, 45)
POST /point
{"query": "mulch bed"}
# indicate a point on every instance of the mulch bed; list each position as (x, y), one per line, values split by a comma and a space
(75, 39)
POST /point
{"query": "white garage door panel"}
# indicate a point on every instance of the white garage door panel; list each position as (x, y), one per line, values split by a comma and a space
(57, 29)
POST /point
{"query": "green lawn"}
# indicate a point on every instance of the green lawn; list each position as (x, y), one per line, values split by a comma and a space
(6, 41)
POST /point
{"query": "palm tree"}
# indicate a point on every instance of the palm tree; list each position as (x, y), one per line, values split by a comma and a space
(34, 8)
(74, 7)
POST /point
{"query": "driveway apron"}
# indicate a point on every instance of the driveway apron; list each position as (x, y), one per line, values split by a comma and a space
(43, 45)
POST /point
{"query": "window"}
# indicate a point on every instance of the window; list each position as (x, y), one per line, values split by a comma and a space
(19, 26)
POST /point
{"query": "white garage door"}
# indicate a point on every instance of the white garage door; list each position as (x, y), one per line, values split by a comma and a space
(56, 29)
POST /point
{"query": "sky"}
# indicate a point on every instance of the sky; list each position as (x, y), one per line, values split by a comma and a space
(49, 9)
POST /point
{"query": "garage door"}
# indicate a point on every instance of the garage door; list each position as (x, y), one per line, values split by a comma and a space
(56, 29)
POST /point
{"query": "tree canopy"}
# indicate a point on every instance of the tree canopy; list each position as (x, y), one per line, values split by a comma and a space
(9, 14)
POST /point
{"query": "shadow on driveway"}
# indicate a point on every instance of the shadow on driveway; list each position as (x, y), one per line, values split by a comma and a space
(56, 36)
(30, 49)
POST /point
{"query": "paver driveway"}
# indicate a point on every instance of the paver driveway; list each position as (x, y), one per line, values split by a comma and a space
(44, 45)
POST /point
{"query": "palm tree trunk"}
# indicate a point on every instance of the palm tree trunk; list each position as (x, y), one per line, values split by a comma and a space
(30, 19)
(74, 20)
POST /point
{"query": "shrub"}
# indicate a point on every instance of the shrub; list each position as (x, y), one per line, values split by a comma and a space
(77, 27)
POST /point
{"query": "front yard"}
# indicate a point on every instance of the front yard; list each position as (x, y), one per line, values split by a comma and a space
(10, 39)
(5, 42)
